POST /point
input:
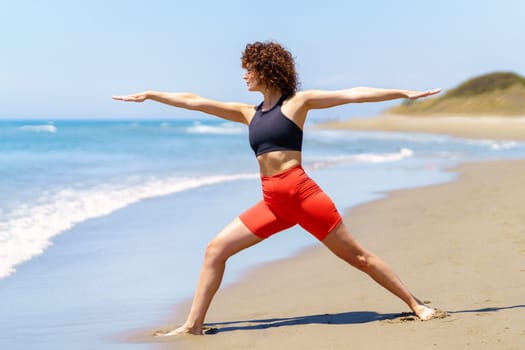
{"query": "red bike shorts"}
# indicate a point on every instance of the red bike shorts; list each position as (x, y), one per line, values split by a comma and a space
(291, 198)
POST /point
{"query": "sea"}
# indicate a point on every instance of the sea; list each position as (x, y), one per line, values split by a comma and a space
(103, 223)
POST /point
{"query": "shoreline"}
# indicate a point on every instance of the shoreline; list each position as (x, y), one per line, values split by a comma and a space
(473, 248)
(486, 127)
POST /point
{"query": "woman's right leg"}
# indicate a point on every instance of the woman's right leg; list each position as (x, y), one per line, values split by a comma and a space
(231, 240)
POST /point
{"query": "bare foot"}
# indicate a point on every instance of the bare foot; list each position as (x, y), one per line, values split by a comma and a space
(177, 331)
(424, 312)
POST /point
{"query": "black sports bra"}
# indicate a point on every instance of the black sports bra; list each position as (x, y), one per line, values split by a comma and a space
(271, 131)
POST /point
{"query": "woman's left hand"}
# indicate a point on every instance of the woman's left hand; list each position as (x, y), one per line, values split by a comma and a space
(413, 95)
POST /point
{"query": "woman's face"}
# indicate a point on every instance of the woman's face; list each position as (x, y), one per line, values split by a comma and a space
(252, 82)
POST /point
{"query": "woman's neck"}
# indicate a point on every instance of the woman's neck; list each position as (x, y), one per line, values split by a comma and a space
(270, 98)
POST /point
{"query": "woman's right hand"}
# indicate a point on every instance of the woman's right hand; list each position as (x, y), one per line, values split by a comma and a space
(139, 97)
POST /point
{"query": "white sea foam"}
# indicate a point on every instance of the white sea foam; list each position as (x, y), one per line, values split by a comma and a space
(364, 158)
(39, 128)
(221, 129)
(497, 145)
(503, 145)
(27, 231)
(380, 136)
(384, 157)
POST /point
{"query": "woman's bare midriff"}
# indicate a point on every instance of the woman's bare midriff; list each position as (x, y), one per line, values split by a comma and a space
(273, 163)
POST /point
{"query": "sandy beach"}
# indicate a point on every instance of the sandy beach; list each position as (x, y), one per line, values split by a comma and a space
(459, 246)
(488, 127)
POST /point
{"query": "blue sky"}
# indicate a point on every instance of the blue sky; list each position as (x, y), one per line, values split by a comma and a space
(64, 59)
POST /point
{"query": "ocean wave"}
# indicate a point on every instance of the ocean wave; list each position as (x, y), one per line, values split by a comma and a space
(503, 145)
(343, 135)
(39, 128)
(364, 158)
(384, 157)
(27, 231)
(496, 145)
(221, 129)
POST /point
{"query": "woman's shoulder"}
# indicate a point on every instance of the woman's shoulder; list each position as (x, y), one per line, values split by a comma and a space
(295, 107)
(305, 95)
(298, 97)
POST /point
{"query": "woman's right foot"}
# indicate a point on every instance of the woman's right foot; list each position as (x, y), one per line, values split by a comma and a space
(178, 331)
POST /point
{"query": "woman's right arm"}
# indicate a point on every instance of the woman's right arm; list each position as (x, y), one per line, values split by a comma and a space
(233, 111)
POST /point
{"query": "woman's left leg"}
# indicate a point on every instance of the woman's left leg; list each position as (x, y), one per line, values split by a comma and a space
(343, 245)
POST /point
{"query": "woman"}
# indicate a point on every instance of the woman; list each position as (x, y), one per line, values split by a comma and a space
(290, 196)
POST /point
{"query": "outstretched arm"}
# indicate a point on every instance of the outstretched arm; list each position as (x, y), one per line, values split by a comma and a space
(233, 111)
(317, 99)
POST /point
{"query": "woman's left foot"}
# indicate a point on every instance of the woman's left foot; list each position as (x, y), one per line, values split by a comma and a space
(424, 312)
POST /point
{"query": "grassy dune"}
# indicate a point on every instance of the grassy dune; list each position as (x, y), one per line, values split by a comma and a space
(501, 93)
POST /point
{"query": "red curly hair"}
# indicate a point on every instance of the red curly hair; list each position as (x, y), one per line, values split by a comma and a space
(274, 65)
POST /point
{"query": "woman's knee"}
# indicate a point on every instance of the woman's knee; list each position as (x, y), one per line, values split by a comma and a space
(362, 261)
(344, 246)
(215, 253)
(354, 255)
(359, 259)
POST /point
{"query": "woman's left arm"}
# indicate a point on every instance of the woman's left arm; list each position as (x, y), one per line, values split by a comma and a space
(318, 99)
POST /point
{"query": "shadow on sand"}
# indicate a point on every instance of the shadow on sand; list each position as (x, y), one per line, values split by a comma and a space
(337, 319)
(354, 317)
(488, 309)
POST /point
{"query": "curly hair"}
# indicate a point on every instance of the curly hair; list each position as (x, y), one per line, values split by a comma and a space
(274, 64)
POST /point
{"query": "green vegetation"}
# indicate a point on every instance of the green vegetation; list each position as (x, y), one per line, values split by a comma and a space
(500, 93)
